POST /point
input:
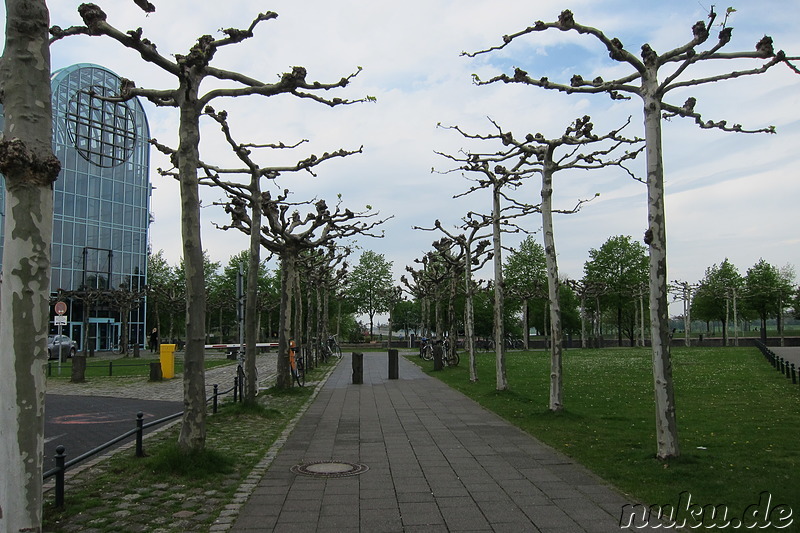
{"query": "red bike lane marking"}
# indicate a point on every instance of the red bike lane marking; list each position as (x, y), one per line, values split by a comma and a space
(91, 418)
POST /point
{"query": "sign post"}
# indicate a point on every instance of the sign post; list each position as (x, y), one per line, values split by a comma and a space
(61, 320)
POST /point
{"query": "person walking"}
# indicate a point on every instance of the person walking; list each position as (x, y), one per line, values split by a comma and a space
(154, 340)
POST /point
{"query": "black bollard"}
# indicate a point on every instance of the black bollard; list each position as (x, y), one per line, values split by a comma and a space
(394, 364)
(794, 375)
(358, 368)
(139, 434)
(61, 459)
(438, 352)
(78, 374)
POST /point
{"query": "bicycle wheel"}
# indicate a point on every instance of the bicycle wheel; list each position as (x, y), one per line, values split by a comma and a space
(427, 352)
(454, 359)
(337, 351)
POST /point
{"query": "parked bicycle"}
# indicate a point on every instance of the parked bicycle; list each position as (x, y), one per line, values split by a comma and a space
(296, 367)
(448, 358)
(330, 349)
(334, 347)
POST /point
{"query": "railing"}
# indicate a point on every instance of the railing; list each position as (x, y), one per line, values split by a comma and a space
(779, 363)
(62, 464)
(111, 365)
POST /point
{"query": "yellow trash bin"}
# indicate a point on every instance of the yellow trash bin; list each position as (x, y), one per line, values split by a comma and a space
(168, 361)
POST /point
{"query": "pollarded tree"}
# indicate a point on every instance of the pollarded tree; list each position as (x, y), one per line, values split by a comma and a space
(652, 77)
(286, 233)
(250, 192)
(190, 70)
(30, 168)
(684, 291)
(370, 284)
(497, 171)
(474, 257)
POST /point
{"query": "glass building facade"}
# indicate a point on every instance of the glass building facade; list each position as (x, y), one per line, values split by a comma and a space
(101, 211)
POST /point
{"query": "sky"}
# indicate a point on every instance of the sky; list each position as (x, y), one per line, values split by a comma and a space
(728, 195)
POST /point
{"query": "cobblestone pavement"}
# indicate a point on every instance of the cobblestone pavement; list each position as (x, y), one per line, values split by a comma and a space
(168, 389)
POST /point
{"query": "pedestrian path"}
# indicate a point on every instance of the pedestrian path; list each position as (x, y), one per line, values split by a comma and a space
(414, 455)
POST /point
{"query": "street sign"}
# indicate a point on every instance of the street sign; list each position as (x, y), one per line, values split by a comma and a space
(60, 320)
(60, 308)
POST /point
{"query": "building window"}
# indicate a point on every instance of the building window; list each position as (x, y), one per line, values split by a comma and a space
(103, 132)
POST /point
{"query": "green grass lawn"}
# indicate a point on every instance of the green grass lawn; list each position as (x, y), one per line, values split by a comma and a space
(738, 420)
(122, 366)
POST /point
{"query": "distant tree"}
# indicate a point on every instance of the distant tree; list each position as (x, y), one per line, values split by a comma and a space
(407, 316)
(714, 297)
(526, 278)
(652, 78)
(767, 290)
(370, 285)
(30, 168)
(685, 292)
(619, 265)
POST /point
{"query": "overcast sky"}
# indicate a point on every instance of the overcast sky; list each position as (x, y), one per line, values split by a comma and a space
(728, 195)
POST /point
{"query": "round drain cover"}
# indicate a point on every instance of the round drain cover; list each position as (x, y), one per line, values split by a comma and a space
(329, 469)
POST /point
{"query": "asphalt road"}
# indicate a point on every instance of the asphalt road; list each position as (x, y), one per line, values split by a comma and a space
(81, 423)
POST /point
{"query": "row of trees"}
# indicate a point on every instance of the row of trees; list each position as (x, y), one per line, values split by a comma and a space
(609, 300)
(358, 290)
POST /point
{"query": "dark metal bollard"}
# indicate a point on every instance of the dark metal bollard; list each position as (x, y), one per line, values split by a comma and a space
(156, 372)
(78, 374)
(61, 458)
(110, 368)
(394, 364)
(794, 375)
(438, 352)
(214, 402)
(235, 388)
(358, 368)
(139, 432)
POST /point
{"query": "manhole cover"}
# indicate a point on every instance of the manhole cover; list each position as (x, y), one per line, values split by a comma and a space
(329, 469)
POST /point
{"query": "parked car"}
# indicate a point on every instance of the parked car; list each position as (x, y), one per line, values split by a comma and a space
(68, 346)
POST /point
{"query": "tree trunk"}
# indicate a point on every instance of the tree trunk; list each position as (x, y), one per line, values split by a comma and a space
(556, 344)
(526, 324)
(583, 321)
(27, 161)
(469, 315)
(193, 428)
(251, 298)
(499, 330)
(284, 379)
(666, 423)
(451, 316)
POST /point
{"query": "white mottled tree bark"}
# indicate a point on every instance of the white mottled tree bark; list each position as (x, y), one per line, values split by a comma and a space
(656, 238)
(556, 344)
(29, 167)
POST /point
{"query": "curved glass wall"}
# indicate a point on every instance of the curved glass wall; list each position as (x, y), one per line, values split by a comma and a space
(101, 202)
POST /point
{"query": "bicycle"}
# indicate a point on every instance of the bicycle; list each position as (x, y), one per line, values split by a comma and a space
(296, 367)
(449, 357)
(426, 349)
(334, 347)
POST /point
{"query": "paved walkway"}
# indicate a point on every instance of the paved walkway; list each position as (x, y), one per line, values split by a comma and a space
(436, 461)
(791, 354)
